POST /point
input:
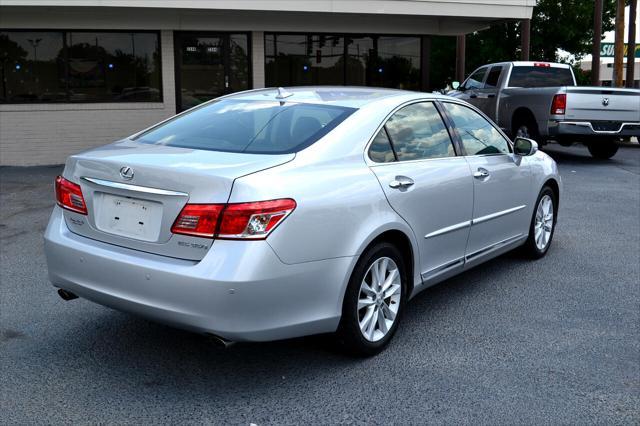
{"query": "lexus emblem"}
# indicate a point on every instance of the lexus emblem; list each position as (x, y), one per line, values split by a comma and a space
(605, 101)
(126, 172)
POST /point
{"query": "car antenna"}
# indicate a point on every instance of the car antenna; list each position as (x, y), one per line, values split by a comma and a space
(283, 94)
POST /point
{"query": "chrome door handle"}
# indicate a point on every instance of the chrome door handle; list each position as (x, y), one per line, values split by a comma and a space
(481, 173)
(401, 182)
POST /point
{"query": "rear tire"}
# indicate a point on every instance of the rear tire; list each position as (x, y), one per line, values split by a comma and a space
(365, 300)
(543, 224)
(525, 126)
(603, 150)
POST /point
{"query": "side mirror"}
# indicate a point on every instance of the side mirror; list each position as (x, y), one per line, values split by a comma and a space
(455, 85)
(525, 147)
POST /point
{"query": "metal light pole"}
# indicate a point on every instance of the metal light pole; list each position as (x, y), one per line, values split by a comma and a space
(631, 45)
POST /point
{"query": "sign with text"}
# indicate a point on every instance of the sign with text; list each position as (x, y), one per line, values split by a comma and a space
(607, 50)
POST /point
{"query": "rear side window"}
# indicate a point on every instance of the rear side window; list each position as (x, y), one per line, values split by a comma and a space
(380, 150)
(418, 132)
(478, 136)
(532, 76)
(255, 127)
(493, 78)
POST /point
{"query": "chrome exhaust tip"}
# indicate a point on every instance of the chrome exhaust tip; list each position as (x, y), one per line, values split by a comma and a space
(66, 295)
(219, 341)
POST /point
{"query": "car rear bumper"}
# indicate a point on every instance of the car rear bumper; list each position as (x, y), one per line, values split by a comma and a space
(240, 291)
(586, 128)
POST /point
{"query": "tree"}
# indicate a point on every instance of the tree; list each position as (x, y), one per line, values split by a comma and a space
(555, 24)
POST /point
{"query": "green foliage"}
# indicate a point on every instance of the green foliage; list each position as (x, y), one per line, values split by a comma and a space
(555, 24)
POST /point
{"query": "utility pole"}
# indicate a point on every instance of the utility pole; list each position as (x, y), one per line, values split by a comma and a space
(597, 39)
(631, 45)
(525, 35)
(618, 48)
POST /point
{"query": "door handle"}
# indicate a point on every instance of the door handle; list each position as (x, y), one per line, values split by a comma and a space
(473, 96)
(401, 182)
(481, 173)
(491, 96)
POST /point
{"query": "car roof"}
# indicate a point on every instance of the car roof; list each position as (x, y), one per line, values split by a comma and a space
(345, 96)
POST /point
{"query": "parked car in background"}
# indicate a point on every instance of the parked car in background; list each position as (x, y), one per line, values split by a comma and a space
(540, 100)
(272, 214)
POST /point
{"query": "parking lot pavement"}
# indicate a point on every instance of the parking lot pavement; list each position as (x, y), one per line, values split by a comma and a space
(511, 341)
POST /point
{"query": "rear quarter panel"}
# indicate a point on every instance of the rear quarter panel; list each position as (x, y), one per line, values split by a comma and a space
(536, 100)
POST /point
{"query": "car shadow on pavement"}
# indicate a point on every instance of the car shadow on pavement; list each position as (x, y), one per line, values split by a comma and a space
(142, 354)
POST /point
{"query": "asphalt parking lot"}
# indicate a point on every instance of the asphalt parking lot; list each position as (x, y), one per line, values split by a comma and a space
(510, 342)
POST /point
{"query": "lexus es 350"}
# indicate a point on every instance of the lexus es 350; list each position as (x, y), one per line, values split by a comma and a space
(277, 213)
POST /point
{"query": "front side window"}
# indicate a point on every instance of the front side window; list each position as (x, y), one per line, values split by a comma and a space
(478, 136)
(417, 132)
(475, 80)
(254, 127)
(79, 66)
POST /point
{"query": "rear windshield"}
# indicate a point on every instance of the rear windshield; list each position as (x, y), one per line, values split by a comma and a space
(256, 127)
(532, 76)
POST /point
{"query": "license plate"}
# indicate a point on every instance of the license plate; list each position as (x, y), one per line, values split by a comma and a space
(129, 217)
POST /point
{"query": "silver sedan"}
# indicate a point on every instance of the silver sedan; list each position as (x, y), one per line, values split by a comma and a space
(277, 213)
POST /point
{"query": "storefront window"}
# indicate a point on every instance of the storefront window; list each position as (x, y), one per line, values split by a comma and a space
(80, 66)
(314, 59)
(298, 60)
(32, 67)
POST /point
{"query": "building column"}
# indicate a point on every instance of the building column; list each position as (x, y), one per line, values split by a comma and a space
(631, 47)
(525, 37)
(597, 39)
(257, 59)
(425, 63)
(461, 45)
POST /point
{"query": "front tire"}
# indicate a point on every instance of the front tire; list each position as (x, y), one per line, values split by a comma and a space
(543, 224)
(374, 301)
(603, 150)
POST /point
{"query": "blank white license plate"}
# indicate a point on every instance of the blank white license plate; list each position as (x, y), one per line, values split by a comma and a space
(129, 217)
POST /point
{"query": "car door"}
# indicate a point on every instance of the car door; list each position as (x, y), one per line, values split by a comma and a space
(426, 183)
(470, 89)
(487, 99)
(501, 181)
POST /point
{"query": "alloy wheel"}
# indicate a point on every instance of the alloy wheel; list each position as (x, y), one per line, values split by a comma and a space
(379, 299)
(544, 222)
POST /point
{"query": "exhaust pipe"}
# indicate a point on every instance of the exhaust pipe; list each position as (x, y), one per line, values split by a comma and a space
(66, 295)
(219, 341)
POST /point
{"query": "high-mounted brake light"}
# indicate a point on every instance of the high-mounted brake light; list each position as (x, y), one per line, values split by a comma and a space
(69, 196)
(542, 64)
(559, 104)
(243, 221)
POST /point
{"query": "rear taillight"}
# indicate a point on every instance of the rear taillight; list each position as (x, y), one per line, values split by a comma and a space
(559, 104)
(69, 196)
(199, 220)
(252, 221)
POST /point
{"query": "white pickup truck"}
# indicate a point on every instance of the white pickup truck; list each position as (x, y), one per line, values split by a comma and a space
(541, 100)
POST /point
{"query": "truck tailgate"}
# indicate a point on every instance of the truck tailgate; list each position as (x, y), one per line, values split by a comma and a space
(603, 104)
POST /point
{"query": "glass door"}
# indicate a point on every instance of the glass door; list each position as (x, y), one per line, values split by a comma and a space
(209, 65)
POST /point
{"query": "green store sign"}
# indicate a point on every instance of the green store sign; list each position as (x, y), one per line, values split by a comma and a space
(606, 50)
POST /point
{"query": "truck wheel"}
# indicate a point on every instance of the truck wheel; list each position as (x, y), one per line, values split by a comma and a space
(603, 150)
(525, 127)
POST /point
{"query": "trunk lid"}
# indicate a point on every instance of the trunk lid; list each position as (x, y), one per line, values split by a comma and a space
(603, 104)
(135, 191)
